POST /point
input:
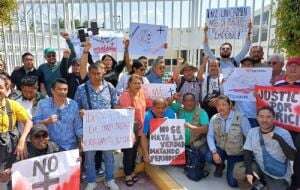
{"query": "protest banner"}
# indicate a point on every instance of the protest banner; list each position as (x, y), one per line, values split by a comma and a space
(52, 171)
(240, 84)
(286, 103)
(108, 129)
(167, 142)
(147, 39)
(107, 42)
(156, 90)
(228, 23)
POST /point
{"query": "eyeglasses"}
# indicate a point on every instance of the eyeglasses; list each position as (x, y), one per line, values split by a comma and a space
(225, 49)
(51, 55)
(38, 136)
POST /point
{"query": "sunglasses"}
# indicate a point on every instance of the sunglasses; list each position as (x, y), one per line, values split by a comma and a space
(272, 62)
(39, 136)
(51, 55)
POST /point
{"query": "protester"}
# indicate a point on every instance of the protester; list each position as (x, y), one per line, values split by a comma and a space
(61, 116)
(159, 109)
(247, 108)
(138, 69)
(144, 60)
(97, 93)
(188, 82)
(257, 54)
(211, 85)
(196, 126)
(133, 98)
(157, 71)
(225, 138)
(13, 145)
(11, 92)
(29, 97)
(226, 61)
(27, 69)
(267, 152)
(292, 79)
(39, 143)
(276, 61)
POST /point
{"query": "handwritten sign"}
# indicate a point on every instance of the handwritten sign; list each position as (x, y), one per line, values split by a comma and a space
(108, 129)
(155, 90)
(147, 39)
(239, 86)
(228, 23)
(104, 43)
(286, 103)
(52, 171)
(167, 142)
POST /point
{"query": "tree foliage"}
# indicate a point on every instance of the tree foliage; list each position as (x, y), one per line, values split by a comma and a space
(288, 26)
(7, 8)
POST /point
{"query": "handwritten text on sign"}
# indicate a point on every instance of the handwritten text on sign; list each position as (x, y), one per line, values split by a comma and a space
(239, 86)
(286, 103)
(108, 129)
(52, 171)
(155, 90)
(167, 142)
(227, 23)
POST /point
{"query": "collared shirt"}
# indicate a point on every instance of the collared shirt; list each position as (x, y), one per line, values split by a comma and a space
(104, 98)
(226, 124)
(227, 62)
(18, 74)
(252, 143)
(154, 78)
(66, 131)
(49, 73)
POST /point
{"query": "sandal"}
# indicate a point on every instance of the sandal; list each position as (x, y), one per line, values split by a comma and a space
(134, 178)
(129, 181)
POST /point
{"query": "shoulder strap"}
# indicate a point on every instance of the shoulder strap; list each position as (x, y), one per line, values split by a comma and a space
(9, 114)
(207, 84)
(87, 93)
(195, 119)
(234, 61)
(111, 95)
(182, 80)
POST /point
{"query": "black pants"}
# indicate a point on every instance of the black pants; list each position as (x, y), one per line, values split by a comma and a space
(98, 160)
(129, 157)
(296, 167)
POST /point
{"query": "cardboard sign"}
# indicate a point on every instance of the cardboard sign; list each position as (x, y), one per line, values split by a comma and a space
(286, 103)
(228, 23)
(148, 39)
(156, 90)
(109, 129)
(167, 142)
(52, 171)
(239, 86)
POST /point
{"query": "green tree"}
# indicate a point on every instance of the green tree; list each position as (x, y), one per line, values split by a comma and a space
(7, 8)
(288, 26)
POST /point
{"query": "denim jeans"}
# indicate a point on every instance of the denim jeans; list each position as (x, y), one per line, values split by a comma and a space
(89, 165)
(231, 161)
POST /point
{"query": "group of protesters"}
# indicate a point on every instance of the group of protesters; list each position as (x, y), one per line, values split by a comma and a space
(42, 110)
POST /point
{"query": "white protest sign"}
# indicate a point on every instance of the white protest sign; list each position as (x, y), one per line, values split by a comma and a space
(107, 42)
(147, 39)
(167, 141)
(157, 90)
(109, 129)
(228, 23)
(52, 171)
(239, 86)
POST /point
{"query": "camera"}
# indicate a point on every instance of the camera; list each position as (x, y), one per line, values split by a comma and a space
(94, 28)
(82, 35)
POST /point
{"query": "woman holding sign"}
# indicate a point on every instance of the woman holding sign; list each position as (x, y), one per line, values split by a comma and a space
(133, 98)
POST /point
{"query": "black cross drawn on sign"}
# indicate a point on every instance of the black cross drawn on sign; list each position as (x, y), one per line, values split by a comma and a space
(160, 30)
(46, 183)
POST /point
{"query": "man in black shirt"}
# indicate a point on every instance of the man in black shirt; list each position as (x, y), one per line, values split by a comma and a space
(27, 69)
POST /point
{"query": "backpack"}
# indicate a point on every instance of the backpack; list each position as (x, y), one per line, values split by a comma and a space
(87, 93)
(8, 141)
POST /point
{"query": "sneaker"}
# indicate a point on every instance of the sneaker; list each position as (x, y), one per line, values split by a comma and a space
(112, 185)
(91, 186)
(100, 173)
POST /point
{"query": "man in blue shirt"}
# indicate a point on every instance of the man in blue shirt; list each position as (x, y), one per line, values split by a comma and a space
(61, 116)
(97, 93)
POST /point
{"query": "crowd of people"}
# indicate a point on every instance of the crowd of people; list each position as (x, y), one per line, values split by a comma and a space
(42, 110)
